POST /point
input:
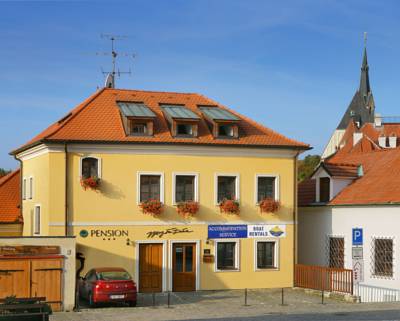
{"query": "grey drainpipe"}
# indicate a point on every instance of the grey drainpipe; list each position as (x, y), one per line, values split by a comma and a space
(66, 189)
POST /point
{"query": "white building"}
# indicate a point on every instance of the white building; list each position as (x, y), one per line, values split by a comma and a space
(369, 203)
(349, 211)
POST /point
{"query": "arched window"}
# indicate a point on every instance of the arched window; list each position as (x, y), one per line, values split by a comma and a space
(90, 167)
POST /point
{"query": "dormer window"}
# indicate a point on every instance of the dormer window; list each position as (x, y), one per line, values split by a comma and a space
(138, 128)
(223, 123)
(138, 119)
(225, 131)
(184, 129)
(324, 189)
(182, 121)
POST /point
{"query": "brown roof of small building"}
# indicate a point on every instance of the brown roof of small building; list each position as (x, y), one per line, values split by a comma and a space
(98, 119)
(341, 169)
(306, 192)
(10, 198)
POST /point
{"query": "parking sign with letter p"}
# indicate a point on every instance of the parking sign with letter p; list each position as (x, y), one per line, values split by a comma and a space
(357, 236)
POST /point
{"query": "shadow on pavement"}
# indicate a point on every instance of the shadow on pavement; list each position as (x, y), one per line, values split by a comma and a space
(338, 316)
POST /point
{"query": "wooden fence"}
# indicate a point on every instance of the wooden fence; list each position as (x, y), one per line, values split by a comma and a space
(324, 278)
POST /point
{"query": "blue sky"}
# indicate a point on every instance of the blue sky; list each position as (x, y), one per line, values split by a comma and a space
(292, 65)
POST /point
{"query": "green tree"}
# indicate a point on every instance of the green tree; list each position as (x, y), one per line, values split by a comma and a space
(306, 166)
(3, 172)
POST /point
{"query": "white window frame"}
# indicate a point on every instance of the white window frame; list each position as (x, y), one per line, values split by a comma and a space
(31, 188)
(34, 220)
(24, 188)
(139, 174)
(276, 254)
(196, 185)
(237, 185)
(237, 254)
(99, 169)
(276, 187)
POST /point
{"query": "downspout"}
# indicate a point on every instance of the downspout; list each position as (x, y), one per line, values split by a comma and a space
(295, 217)
(21, 182)
(66, 190)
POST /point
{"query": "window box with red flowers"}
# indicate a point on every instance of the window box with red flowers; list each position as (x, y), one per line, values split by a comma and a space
(91, 182)
(152, 206)
(269, 205)
(229, 206)
(188, 208)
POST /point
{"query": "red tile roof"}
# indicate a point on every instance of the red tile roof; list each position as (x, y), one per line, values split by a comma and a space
(98, 119)
(380, 183)
(369, 141)
(306, 192)
(341, 169)
(10, 198)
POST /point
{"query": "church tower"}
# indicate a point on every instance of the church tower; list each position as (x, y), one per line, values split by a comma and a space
(361, 109)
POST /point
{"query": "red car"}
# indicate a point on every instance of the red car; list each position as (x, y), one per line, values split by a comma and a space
(101, 285)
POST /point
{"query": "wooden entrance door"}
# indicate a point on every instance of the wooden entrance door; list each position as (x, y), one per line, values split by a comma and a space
(184, 267)
(150, 267)
(14, 278)
(46, 281)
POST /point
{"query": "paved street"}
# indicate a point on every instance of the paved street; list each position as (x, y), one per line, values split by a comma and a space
(229, 305)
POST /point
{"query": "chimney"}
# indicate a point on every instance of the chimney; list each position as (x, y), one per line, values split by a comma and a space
(356, 138)
(393, 141)
(378, 120)
(110, 81)
(382, 141)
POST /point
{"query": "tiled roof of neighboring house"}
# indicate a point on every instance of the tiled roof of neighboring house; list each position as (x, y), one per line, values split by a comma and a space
(306, 192)
(10, 198)
(369, 141)
(379, 184)
(340, 169)
(98, 119)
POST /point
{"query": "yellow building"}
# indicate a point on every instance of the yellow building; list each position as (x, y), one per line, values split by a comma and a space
(169, 186)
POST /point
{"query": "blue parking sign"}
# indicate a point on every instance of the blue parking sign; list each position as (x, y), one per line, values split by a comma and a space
(357, 236)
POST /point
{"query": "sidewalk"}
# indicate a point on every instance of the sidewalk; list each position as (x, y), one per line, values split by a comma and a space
(223, 304)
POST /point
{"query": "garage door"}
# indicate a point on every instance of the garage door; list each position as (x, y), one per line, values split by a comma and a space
(26, 278)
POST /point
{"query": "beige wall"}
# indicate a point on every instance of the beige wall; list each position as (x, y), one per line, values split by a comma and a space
(115, 206)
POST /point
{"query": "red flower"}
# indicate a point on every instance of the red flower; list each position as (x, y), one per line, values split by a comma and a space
(269, 205)
(229, 206)
(152, 206)
(91, 182)
(187, 208)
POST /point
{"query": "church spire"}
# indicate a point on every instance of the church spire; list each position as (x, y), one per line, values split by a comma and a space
(365, 88)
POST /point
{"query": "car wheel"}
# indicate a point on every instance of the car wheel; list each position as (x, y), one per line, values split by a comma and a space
(91, 303)
(132, 303)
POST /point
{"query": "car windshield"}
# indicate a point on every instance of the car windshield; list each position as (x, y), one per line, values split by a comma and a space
(113, 275)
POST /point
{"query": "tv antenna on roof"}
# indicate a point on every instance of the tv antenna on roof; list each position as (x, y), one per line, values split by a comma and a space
(110, 75)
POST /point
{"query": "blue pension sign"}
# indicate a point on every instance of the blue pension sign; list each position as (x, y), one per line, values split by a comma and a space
(357, 236)
(227, 231)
